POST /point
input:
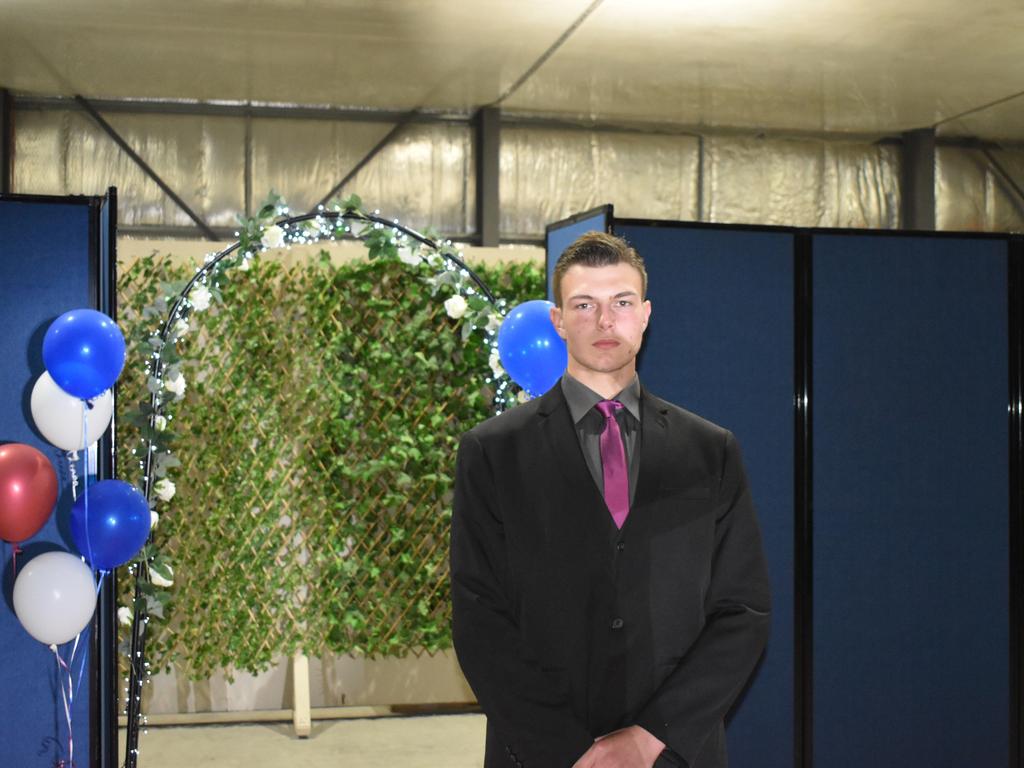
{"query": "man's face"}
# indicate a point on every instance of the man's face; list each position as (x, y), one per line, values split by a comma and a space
(602, 318)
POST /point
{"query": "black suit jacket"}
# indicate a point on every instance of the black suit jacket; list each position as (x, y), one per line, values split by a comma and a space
(567, 628)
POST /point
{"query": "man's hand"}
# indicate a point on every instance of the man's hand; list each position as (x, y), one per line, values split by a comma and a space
(631, 747)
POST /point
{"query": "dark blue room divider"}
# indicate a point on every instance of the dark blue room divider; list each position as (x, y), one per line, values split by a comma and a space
(720, 343)
(911, 492)
(56, 254)
(558, 236)
(874, 382)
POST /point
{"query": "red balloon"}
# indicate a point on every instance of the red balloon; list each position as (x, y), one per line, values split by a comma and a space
(28, 491)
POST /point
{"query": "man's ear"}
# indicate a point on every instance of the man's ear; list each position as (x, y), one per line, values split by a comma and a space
(556, 320)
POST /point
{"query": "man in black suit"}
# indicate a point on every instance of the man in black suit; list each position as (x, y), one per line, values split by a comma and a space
(609, 589)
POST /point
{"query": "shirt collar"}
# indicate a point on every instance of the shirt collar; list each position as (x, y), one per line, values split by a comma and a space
(581, 398)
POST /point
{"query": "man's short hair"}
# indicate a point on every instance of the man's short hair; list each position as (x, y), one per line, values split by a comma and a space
(598, 249)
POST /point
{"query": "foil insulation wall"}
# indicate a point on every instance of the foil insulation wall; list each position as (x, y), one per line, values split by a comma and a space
(973, 194)
(425, 175)
(201, 158)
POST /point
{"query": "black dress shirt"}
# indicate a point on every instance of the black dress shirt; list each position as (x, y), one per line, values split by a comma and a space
(589, 424)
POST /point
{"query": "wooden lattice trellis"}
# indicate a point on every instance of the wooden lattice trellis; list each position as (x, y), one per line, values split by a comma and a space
(317, 439)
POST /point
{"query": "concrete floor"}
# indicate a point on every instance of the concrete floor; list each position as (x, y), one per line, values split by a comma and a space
(429, 741)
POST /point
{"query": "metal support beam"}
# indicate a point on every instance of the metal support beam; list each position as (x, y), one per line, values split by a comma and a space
(255, 110)
(428, 117)
(109, 130)
(700, 179)
(917, 180)
(408, 118)
(247, 183)
(6, 141)
(487, 144)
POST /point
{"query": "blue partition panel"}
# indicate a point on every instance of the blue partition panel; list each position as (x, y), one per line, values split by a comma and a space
(910, 488)
(560, 236)
(44, 271)
(721, 344)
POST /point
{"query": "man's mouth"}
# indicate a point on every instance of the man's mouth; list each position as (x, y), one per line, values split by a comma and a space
(606, 343)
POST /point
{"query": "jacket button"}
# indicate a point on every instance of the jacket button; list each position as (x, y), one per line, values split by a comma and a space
(617, 623)
(620, 546)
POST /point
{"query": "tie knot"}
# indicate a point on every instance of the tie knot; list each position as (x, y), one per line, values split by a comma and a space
(608, 407)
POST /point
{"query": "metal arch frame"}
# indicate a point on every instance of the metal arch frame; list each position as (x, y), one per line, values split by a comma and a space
(140, 618)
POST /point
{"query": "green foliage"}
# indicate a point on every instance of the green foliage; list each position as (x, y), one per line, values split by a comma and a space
(316, 441)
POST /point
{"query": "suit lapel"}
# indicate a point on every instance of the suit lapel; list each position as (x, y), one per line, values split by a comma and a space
(558, 432)
(654, 448)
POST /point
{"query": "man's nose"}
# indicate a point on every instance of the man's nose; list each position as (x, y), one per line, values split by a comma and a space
(604, 319)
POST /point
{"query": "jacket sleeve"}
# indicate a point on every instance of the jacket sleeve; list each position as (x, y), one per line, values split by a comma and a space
(696, 695)
(527, 708)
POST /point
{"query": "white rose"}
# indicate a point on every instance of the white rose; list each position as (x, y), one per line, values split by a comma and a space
(523, 396)
(124, 615)
(160, 423)
(176, 386)
(164, 489)
(495, 363)
(408, 256)
(455, 307)
(154, 518)
(181, 327)
(200, 298)
(494, 323)
(273, 237)
(159, 580)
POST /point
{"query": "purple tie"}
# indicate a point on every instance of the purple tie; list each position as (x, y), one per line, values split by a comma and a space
(613, 460)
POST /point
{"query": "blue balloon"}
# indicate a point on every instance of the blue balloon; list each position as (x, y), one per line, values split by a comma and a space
(529, 347)
(83, 351)
(118, 524)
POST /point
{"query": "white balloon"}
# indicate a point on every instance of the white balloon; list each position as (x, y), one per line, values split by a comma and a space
(58, 415)
(54, 597)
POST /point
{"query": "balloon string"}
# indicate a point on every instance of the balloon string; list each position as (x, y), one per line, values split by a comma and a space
(15, 551)
(85, 473)
(68, 696)
(85, 653)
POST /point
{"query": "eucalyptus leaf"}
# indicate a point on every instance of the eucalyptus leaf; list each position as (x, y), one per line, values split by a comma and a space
(154, 607)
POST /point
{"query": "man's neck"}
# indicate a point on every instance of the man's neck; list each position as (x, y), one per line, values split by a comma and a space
(607, 385)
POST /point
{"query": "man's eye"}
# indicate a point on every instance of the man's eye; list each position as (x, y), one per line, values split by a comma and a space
(583, 305)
